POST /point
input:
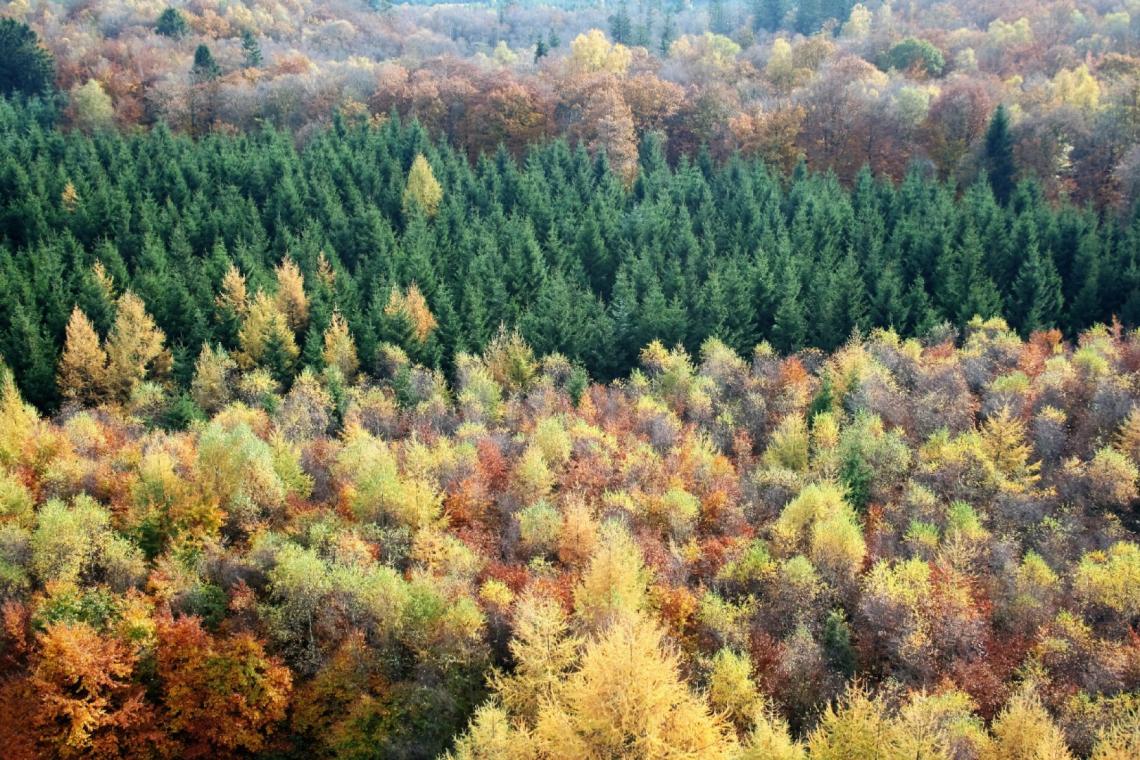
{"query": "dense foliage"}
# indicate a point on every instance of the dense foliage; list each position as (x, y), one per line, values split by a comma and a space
(898, 550)
(841, 84)
(556, 245)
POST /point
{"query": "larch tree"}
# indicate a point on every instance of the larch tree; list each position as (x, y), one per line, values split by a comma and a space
(265, 338)
(423, 189)
(83, 370)
(135, 348)
(290, 296)
(339, 348)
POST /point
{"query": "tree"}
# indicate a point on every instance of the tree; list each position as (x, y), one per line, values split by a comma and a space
(205, 68)
(25, 67)
(266, 339)
(84, 700)
(83, 366)
(1024, 731)
(171, 23)
(251, 49)
(769, 14)
(135, 348)
(1036, 293)
(621, 28)
(423, 190)
(211, 387)
(91, 107)
(627, 700)
(541, 48)
(916, 56)
(998, 157)
(222, 695)
(339, 348)
(668, 34)
(290, 297)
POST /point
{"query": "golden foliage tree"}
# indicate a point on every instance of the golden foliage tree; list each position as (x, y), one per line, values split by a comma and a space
(135, 348)
(339, 348)
(265, 336)
(290, 297)
(412, 306)
(627, 700)
(82, 373)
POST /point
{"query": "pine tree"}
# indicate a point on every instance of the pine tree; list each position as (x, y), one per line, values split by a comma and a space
(789, 325)
(999, 156)
(171, 23)
(668, 34)
(769, 14)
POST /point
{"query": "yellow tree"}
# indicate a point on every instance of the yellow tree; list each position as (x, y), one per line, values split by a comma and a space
(591, 53)
(82, 373)
(340, 349)
(290, 298)
(423, 189)
(627, 700)
(265, 337)
(210, 387)
(413, 306)
(135, 349)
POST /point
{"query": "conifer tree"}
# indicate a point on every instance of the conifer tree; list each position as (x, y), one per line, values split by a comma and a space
(83, 366)
(135, 348)
(423, 189)
(1036, 298)
(999, 156)
(339, 348)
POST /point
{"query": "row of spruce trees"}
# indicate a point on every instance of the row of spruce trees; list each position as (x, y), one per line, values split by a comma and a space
(554, 244)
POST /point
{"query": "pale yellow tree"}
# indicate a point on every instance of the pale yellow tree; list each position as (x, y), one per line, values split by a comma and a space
(213, 371)
(91, 107)
(423, 189)
(339, 348)
(614, 583)
(627, 700)
(591, 52)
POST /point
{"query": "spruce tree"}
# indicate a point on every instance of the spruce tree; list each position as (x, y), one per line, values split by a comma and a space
(25, 67)
(999, 156)
(1036, 298)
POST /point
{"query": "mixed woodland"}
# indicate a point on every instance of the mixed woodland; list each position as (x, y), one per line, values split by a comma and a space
(706, 380)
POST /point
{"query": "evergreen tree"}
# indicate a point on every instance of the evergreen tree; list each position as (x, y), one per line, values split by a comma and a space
(540, 49)
(251, 49)
(668, 34)
(769, 15)
(719, 21)
(205, 68)
(999, 156)
(25, 67)
(1036, 298)
(789, 324)
(171, 23)
(621, 27)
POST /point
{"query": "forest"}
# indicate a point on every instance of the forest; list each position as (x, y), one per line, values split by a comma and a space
(566, 380)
